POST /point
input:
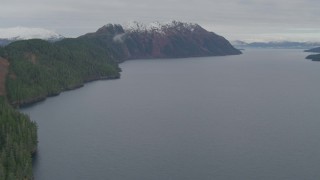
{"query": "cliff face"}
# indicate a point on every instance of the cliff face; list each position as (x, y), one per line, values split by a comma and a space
(4, 64)
(174, 40)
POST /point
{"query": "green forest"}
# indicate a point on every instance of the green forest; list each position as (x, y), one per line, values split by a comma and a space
(39, 69)
(18, 140)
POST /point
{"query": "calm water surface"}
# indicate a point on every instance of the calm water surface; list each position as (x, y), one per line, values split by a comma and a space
(250, 117)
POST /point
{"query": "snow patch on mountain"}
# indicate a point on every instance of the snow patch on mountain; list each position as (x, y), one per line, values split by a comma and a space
(161, 28)
(24, 33)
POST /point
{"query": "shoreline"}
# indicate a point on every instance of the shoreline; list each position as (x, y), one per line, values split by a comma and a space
(41, 98)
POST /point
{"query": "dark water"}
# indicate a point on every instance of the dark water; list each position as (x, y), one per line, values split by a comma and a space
(249, 117)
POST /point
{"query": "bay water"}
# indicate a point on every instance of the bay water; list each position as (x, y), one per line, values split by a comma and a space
(251, 116)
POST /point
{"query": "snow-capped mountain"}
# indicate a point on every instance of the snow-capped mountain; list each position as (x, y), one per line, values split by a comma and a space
(156, 40)
(8, 35)
(158, 27)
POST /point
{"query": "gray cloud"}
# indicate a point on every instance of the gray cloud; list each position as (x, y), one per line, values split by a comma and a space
(235, 19)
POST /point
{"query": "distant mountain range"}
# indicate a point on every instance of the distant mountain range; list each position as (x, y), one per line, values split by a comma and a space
(8, 35)
(276, 45)
(313, 47)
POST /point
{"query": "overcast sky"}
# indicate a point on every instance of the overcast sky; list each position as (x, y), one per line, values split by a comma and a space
(250, 20)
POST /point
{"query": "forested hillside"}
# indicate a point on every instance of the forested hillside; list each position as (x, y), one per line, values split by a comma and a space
(39, 69)
(18, 140)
